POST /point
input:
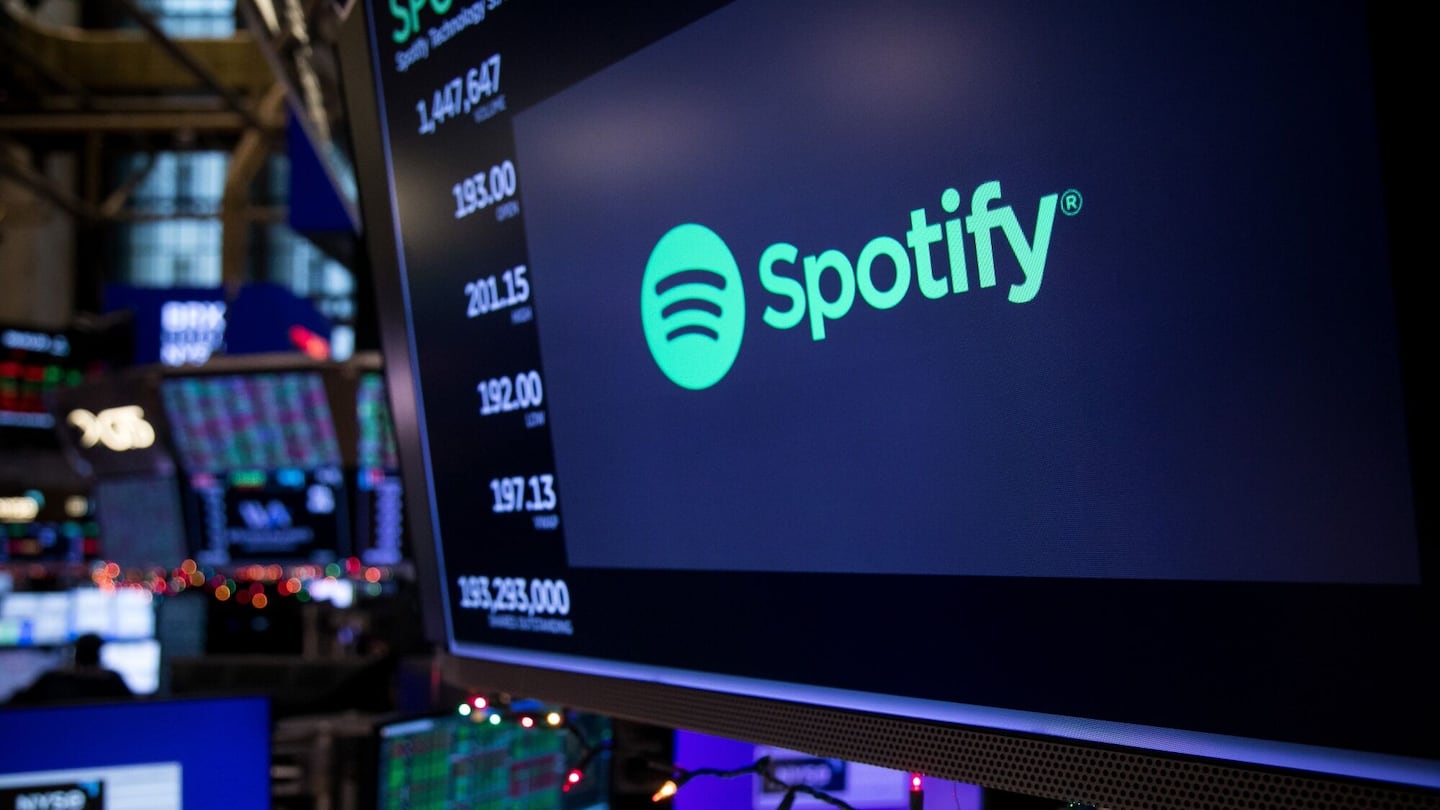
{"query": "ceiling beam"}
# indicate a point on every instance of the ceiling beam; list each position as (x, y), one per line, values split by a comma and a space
(70, 123)
(114, 203)
(55, 76)
(42, 186)
(183, 57)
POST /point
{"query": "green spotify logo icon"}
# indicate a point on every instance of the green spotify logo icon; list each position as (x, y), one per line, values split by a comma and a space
(692, 306)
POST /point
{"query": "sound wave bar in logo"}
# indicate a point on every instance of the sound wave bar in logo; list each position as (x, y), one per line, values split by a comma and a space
(692, 306)
(691, 293)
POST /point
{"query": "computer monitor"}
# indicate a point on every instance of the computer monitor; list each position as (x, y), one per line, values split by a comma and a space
(910, 382)
(379, 495)
(36, 618)
(34, 362)
(161, 755)
(54, 618)
(485, 759)
(262, 463)
(141, 520)
(137, 662)
(21, 666)
(47, 525)
(114, 614)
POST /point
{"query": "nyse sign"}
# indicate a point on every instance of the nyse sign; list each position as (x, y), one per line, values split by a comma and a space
(118, 429)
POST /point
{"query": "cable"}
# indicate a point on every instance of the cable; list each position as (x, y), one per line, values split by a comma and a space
(679, 777)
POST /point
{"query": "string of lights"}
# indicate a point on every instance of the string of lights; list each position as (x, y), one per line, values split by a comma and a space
(252, 585)
(528, 715)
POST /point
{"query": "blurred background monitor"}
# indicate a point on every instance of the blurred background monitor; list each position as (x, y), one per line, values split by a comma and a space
(123, 614)
(35, 619)
(259, 420)
(45, 525)
(212, 753)
(484, 760)
(138, 662)
(262, 463)
(54, 618)
(142, 521)
(32, 363)
(379, 503)
(20, 666)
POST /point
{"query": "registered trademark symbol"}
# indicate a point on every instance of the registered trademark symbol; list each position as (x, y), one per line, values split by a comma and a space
(1071, 202)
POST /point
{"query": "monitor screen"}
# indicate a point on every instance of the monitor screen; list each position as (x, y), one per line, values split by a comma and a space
(261, 420)
(49, 526)
(142, 521)
(260, 515)
(36, 618)
(52, 618)
(32, 364)
(160, 755)
(263, 465)
(20, 666)
(379, 495)
(468, 761)
(138, 662)
(990, 364)
(114, 614)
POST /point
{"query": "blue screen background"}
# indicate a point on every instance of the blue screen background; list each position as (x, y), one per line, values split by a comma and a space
(1206, 386)
(222, 745)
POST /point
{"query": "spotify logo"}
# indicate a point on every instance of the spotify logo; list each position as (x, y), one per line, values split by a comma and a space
(692, 306)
